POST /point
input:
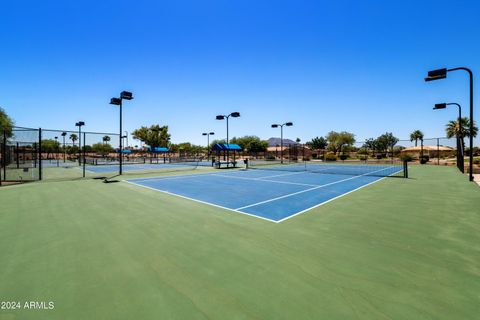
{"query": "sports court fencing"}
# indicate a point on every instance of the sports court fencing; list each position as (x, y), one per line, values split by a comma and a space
(28, 154)
(20, 155)
(435, 151)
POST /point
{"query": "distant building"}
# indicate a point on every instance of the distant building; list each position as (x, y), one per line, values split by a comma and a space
(431, 151)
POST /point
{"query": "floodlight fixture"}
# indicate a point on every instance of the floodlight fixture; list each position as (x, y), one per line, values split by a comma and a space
(288, 124)
(126, 95)
(440, 106)
(436, 74)
(116, 101)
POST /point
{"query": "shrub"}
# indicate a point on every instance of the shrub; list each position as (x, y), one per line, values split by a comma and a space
(363, 158)
(379, 156)
(424, 159)
(343, 157)
(330, 157)
(406, 157)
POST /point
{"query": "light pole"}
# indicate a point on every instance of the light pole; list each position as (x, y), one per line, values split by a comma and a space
(288, 124)
(208, 134)
(56, 149)
(126, 138)
(222, 117)
(79, 124)
(442, 74)
(63, 136)
(460, 149)
(124, 95)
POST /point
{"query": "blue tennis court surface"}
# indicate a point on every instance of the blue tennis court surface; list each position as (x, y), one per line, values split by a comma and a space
(144, 166)
(271, 195)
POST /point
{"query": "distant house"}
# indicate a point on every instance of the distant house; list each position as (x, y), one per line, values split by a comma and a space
(431, 151)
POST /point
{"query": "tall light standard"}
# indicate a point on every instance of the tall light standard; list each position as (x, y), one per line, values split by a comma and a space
(124, 95)
(208, 134)
(288, 124)
(460, 162)
(442, 74)
(56, 149)
(79, 124)
(222, 117)
(63, 136)
(126, 138)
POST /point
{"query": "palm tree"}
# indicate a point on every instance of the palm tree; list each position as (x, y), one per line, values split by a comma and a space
(74, 138)
(106, 139)
(415, 136)
(461, 129)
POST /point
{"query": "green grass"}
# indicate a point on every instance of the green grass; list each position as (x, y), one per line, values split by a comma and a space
(398, 249)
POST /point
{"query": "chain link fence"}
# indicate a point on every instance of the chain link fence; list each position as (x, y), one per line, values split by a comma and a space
(28, 154)
(20, 155)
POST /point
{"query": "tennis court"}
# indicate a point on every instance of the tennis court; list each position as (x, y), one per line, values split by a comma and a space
(275, 193)
(113, 167)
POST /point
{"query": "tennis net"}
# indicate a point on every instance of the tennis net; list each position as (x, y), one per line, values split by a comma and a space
(353, 168)
(106, 161)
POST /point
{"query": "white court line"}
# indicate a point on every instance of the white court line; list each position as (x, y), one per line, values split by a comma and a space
(265, 180)
(200, 175)
(283, 174)
(339, 196)
(307, 190)
(174, 177)
(253, 215)
(327, 201)
(199, 201)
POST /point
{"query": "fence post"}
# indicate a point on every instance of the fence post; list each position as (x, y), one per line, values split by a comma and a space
(438, 151)
(2, 157)
(40, 164)
(83, 153)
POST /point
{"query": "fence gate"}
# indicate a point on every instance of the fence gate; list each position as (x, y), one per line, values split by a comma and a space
(19, 155)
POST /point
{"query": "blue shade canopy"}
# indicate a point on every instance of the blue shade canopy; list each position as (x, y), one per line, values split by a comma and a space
(158, 149)
(226, 147)
(125, 151)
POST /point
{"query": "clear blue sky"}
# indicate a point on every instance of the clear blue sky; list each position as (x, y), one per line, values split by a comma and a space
(325, 65)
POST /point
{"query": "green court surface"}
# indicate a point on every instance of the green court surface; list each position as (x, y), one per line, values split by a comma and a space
(397, 249)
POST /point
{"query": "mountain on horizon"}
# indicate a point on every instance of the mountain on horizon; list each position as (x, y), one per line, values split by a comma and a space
(273, 142)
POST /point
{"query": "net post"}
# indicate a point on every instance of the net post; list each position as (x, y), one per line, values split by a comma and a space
(40, 164)
(405, 168)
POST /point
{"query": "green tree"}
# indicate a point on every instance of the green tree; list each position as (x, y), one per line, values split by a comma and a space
(153, 136)
(371, 144)
(102, 148)
(220, 141)
(250, 143)
(415, 136)
(186, 149)
(385, 142)
(461, 129)
(337, 141)
(318, 143)
(6, 123)
(50, 146)
(74, 138)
